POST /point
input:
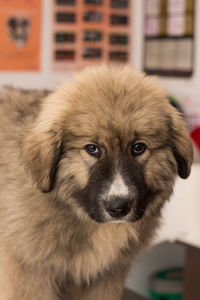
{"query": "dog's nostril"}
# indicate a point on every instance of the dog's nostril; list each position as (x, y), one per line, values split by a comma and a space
(118, 213)
(118, 207)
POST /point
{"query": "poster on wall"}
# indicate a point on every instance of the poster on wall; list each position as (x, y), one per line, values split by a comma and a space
(20, 28)
(86, 32)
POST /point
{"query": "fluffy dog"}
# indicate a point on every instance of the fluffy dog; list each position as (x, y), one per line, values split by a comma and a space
(85, 171)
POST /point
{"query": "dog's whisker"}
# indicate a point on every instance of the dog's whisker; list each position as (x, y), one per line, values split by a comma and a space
(92, 210)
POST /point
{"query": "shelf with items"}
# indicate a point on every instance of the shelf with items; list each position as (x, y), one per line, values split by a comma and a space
(169, 37)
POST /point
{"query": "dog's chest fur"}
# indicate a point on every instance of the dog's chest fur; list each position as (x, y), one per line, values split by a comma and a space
(101, 251)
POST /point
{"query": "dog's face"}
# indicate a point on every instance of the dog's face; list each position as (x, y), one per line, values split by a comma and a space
(19, 30)
(109, 146)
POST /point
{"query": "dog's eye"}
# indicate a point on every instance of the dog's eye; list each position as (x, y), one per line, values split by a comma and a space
(138, 148)
(93, 150)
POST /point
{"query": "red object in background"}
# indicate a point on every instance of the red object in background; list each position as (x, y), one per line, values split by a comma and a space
(195, 134)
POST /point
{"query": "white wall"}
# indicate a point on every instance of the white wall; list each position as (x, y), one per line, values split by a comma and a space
(163, 256)
(47, 78)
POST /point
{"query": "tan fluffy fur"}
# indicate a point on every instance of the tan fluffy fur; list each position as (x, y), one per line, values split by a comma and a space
(49, 252)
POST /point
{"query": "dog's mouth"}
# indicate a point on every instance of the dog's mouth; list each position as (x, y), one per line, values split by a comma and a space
(105, 218)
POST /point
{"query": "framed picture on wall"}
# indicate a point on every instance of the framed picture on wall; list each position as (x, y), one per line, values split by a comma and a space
(169, 37)
(85, 32)
(20, 31)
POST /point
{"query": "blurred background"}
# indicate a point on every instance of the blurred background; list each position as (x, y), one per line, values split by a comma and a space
(42, 42)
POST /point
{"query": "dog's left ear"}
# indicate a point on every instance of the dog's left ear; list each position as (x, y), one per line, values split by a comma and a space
(181, 145)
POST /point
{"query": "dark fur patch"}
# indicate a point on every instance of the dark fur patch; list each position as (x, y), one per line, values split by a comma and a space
(182, 165)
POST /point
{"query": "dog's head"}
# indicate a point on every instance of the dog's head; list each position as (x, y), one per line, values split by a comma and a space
(19, 30)
(109, 145)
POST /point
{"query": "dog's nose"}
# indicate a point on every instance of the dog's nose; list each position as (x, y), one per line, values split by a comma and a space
(118, 207)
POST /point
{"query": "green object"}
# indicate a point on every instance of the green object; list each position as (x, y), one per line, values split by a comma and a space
(174, 102)
(165, 296)
(167, 285)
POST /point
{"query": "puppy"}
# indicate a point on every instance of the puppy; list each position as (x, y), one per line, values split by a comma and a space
(85, 171)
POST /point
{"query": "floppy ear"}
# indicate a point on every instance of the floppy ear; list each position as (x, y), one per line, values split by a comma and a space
(181, 145)
(42, 146)
(41, 151)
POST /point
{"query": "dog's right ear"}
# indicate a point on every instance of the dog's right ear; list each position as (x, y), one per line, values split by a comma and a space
(42, 147)
(41, 151)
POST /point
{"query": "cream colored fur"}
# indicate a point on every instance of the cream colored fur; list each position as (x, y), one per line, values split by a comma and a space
(50, 248)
